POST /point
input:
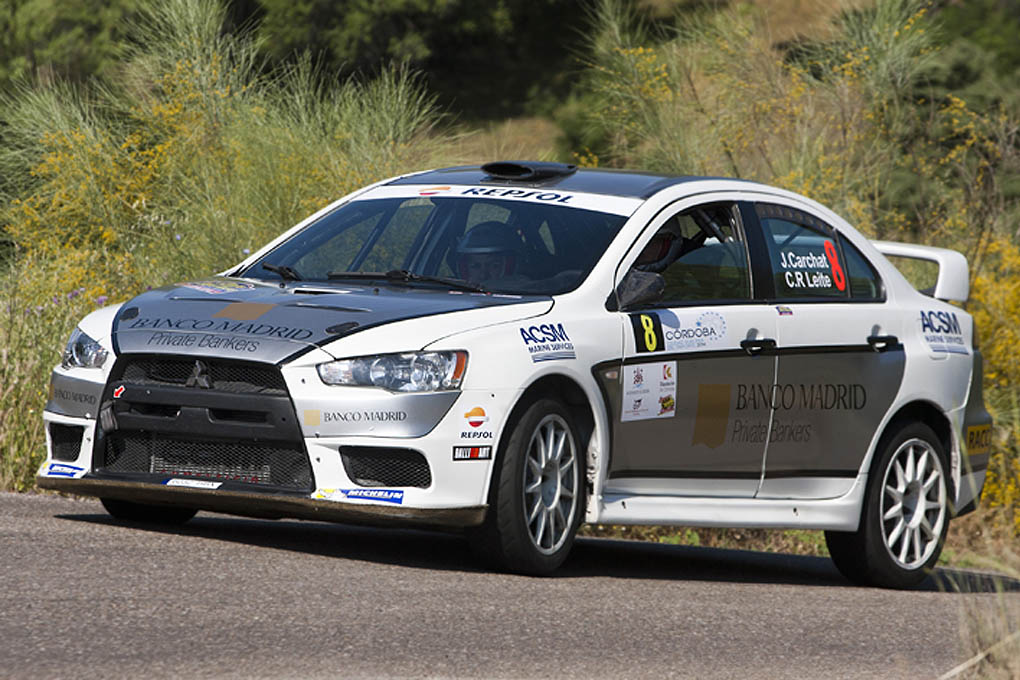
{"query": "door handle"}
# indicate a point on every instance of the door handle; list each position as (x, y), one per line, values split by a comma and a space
(880, 343)
(755, 347)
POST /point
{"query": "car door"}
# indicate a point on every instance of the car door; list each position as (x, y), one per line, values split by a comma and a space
(840, 361)
(689, 406)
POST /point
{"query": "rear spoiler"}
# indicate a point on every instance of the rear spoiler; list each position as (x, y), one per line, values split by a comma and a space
(953, 281)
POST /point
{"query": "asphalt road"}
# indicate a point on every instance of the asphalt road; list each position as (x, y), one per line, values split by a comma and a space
(82, 596)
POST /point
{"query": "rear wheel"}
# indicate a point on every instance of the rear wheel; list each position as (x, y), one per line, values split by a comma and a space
(149, 514)
(538, 493)
(905, 515)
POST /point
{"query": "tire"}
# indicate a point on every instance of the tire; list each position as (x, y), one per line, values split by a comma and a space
(536, 500)
(147, 514)
(905, 515)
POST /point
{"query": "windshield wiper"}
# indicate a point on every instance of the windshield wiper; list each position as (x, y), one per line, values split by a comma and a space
(285, 272)
(405, 276)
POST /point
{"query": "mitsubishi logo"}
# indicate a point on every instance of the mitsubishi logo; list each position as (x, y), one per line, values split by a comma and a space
(199, 376)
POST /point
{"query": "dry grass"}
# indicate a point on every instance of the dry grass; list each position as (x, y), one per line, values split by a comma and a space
(811, 19)
(990, 622)
(526, 138)
(792, 541)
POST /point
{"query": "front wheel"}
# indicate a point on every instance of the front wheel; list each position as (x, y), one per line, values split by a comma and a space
(905, 516)
(147, 514)
(537, 494)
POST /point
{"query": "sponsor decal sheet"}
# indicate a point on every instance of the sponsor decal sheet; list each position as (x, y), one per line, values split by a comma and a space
(649, 391)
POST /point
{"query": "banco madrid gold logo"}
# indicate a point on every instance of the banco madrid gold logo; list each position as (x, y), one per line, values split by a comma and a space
(713, 415)
(243, 311)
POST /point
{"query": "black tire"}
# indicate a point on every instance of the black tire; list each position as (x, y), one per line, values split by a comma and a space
(903, 525)
(147, 514)
(553, 498)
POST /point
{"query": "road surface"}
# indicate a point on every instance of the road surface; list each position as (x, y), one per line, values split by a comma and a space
(84, 596)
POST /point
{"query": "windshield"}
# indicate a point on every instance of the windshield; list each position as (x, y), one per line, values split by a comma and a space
(500, 246)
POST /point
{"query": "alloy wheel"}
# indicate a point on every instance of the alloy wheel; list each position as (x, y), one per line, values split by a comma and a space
(914, 503)
(550, 484)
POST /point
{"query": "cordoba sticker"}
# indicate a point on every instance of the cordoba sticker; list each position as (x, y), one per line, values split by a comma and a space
(667, 331)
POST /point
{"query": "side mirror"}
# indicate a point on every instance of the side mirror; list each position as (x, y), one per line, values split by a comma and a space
(638, 287)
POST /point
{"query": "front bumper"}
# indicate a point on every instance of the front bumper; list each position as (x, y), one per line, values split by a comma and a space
(267, 506)
(153, 438)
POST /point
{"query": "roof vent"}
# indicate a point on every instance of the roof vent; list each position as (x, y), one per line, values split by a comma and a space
(527, 171)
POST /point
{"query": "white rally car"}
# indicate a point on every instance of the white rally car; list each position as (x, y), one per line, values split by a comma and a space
(519, 347)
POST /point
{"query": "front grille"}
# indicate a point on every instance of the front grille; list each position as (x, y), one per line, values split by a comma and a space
(270, 464)
(65, 441)
(369, 466)
(223, 375)
(208, 418)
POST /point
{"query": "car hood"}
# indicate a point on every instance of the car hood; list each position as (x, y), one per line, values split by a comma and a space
(256, 321)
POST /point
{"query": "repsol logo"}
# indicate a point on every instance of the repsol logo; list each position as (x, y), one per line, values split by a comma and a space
(940, 322)
(550, 196)
(364, 417)
(77, 397)
(547, 332)
(240, 327)
(476, 435)
(815, 397)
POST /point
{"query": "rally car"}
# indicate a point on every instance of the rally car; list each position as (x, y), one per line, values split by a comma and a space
(516, 348)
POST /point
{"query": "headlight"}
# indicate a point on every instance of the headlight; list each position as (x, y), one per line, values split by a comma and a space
(83, 352)
(407, 372)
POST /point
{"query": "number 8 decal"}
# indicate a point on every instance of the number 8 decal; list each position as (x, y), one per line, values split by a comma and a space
(837, 269)
(647, 332)
(651, 342)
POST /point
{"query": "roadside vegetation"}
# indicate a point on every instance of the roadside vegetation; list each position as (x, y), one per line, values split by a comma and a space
(193, 155)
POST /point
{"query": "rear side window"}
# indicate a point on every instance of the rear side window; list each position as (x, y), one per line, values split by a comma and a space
(804, 253)
(865, 283)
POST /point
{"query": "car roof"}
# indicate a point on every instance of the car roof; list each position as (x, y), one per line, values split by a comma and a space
(626, 183)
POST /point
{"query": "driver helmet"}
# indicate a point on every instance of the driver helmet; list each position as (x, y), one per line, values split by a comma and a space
(490, 250)
(662, 249)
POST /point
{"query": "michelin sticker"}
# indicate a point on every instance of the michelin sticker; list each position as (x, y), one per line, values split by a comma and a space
(649, 391)
(667, 331)
(942, 332)
(547, 342)
(383, 495)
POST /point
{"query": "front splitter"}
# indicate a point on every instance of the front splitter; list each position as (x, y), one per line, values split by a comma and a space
(267, 506)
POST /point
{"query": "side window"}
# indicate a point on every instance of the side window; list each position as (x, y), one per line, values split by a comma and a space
(803, 251)
(700, 254)
(865, 283)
